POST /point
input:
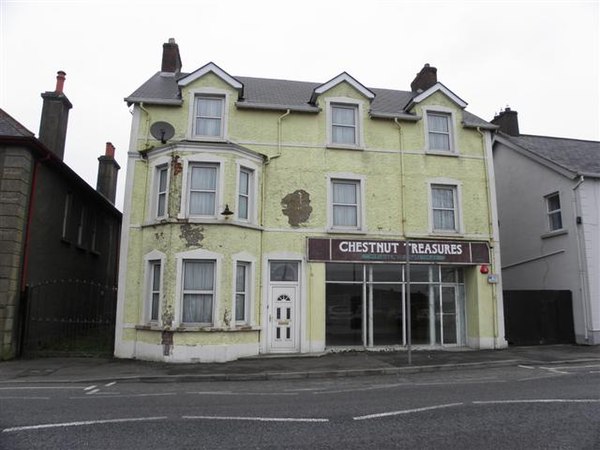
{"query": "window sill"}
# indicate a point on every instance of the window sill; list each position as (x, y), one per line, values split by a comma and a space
(442, 153)
(201, 221)
(207, 139)
(342, 231)
(554, 233)
(344, 147)
(440, 233)
(190, 328)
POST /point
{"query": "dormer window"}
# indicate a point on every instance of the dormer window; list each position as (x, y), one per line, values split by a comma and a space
(208, 116)
(344, 130)
(440, 137)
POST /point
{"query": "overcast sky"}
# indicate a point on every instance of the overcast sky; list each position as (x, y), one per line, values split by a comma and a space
(540, 57)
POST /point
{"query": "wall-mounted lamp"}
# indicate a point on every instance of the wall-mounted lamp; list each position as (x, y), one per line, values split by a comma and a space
(227, 212)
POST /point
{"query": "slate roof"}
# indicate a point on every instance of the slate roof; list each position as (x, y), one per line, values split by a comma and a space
(11, 127)
(578, 156)
(162, 88)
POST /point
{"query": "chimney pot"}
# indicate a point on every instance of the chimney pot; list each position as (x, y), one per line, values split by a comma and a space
(110, 150)
(60, 81)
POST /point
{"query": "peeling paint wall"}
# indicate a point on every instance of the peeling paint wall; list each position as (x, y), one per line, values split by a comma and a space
(296, 206)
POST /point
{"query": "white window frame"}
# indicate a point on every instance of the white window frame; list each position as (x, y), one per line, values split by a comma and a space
(550, 213)
(200, 256)
(205, 159)
(249, 195)
(457, 190)
(359, 181)
(157, 192)
(194, 96)
(150, 259)
(245, 292)
(349, 103)
(450, 114)
(153, 186)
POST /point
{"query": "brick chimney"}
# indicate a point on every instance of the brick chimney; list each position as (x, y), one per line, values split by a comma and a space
(171, 61)
(426, 78)
(108, 169)
(507, 121)
(55, 117)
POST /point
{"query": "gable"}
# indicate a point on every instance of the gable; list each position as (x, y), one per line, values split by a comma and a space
(433, 90)
(217, 71)
(342, 78)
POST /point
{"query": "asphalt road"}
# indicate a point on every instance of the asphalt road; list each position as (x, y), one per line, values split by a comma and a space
(528, 407)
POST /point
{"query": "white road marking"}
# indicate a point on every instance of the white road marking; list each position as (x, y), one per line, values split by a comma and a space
(24, 398)
(406, 411)
(82, 423)
(257, 419)
(92, 392)
(26, 388)
(110, 384)
(543, 400)
(526, 367)
(243, 393)
(113, 395)
(89, 388)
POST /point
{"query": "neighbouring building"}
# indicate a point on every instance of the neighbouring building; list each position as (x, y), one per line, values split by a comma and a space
(549, 209)
(273, 216)
(59, 240)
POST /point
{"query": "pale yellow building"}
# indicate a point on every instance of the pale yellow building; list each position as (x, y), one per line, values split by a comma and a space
(273, 216)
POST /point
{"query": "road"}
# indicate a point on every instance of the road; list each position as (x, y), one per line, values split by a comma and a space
(529, 407)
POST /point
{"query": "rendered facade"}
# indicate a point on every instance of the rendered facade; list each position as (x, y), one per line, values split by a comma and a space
(551, 235)
(272, 216)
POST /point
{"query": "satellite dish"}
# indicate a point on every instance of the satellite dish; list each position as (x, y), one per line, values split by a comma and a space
(162, 131)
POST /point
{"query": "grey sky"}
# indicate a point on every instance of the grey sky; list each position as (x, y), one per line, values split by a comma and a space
(539, 57)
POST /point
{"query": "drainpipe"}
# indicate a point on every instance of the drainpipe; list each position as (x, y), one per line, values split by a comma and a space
(493, 242)
(402, 187)
(581, 262)
(147, 122)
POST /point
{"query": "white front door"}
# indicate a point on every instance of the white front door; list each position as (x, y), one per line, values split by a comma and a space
(283, 312)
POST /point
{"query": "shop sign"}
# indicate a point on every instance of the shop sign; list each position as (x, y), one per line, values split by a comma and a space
(365, 250)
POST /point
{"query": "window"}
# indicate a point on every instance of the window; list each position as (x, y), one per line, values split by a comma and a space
(198, 291)
(80, 227)
(203, 180)
(554, 213)
(208, 116)
(443, 201)
(242, 292)
(439, 128)
(162, 173)
(245, 193)
(345, 204)
(154, 292)
(344, 130)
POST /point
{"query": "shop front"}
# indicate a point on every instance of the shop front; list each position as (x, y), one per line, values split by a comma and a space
(368, 282)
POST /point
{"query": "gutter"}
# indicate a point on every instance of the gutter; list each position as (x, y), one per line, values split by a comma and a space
(272, 107)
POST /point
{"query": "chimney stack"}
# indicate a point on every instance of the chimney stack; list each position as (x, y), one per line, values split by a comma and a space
(171, 61)
(55, 117)
(108, 169)
(507, 121)
(426, 78)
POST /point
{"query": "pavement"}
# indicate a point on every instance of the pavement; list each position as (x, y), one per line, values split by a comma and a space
(268, 367)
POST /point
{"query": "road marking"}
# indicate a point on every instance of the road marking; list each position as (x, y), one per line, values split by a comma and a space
(24, 398)
(110, 384)
(242, 393)
(92, 392)
(82, 423)
(526, 367)
(257, 419)
(112, 395)
(543, 400)
(25, 388)
(406, 411)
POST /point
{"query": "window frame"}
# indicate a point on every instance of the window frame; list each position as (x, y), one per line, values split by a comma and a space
(246, 292)
(67, 213)
(345, 103)
(188, 191)
(449, 114)
(456, 197)
(159, 170)
(359, 183)
(152, 259)
(250, 197)
(198, 255)
(210, 292)
(197, 94)
(554, 212)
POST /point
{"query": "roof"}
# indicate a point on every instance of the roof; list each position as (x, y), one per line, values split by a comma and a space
(575, 155)
(10, 127)
(13, 132)
(265, 93)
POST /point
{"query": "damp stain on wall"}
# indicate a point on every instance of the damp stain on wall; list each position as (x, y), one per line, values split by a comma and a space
(192, 235)
(296, 206)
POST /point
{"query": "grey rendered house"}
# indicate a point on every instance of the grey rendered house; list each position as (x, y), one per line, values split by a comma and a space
(548, 192)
